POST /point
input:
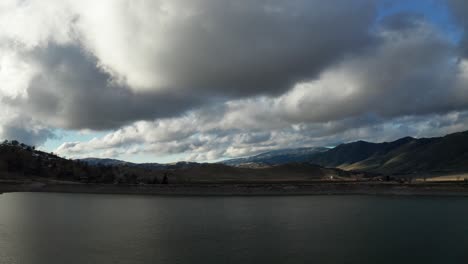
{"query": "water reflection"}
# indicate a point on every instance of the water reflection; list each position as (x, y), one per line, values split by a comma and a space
(72, 228)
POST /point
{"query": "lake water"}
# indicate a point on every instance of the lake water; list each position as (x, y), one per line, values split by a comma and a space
(49, 228)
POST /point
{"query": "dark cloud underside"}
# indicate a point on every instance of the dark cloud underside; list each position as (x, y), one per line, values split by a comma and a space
(226, 78)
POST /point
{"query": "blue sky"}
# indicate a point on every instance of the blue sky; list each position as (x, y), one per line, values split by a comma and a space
(435, 11)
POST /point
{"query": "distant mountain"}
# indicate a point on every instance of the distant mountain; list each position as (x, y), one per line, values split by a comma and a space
(448, 154)
(19, 162)
(105, 162)
(403, 156)
(168, 166)
(147, 166)
(418, 157)
(276, 157)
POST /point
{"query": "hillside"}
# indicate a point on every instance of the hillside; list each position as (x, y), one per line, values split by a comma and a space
(291, 172)
(276, 157)
(105, 162)
(404, 156)
(424, 156)
(22, 162)
(19, 162)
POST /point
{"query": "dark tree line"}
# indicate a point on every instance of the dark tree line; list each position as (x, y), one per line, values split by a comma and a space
(20, 161)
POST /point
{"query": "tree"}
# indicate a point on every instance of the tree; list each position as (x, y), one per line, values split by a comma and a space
(165, 180)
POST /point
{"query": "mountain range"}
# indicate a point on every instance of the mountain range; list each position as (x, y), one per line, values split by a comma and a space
(276, 157)
(22, 163)
(403, 156)
(406, 157)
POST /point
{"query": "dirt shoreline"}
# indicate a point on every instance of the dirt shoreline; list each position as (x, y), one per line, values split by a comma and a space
(427, 189)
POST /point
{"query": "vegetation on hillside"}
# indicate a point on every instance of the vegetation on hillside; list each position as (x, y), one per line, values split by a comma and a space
(22, 162)
(448, 154)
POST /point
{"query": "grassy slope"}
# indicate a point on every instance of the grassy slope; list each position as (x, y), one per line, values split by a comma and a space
(404, 156)
(293, 172)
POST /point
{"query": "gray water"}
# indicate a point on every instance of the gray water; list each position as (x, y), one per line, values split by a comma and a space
(54, 228)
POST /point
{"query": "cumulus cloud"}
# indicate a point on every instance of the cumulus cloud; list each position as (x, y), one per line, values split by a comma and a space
(14, 126)
(221, 47)
(212, 144)
(215, 79)
(70, 91)
(416, 70)
(75, 64)
(27, 131)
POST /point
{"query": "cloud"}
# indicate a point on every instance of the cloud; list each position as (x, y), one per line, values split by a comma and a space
(416, 70)
(213, 79)
(221, 48)
(411, 72)
(88, 65)
(28, 24)
(67, 90)
(14, 126)
(213, 144)
(26, 131)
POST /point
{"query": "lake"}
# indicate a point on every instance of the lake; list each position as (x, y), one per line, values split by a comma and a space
(49, 228)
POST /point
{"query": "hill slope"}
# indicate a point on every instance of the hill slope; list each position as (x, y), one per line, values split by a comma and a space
(19, 162)
(105, 162)
(276, 157)
(291, 172)
(404, 156)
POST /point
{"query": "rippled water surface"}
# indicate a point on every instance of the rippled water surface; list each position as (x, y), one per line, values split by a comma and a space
(40, 228)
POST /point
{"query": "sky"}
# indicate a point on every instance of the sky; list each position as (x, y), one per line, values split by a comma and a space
(207, 80)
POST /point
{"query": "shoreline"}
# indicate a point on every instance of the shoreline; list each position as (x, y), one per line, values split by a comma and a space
(247, 189)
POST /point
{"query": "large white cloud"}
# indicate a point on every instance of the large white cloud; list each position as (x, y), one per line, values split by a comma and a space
(409, 83)
(224, 47)
(213, 78)
(213, 144)
(74, 64)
